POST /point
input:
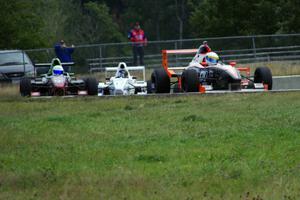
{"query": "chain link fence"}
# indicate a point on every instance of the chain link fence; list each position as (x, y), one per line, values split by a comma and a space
(243, 49)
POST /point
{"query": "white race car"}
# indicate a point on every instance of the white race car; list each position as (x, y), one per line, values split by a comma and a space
(122, 83)
(206, 73)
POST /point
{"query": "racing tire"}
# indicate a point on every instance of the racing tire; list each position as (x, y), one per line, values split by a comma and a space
(149, 87)
(263, 75)
(251, 85)
(25, 87)
(137, 90)
(190, 81)
(161, 81)
(105, 91)
(91, 86)
(234, 86)
(176, 88)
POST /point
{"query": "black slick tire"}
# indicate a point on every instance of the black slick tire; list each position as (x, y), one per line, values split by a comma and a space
(25, 87)
(91, 86)
(263, 75)
(161, 81)
(190, 81)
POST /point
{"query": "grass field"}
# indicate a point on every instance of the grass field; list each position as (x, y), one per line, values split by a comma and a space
(234, 146)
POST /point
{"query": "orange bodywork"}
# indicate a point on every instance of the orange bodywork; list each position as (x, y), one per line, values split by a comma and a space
(202, 89)
(245, 69)
(165, 53)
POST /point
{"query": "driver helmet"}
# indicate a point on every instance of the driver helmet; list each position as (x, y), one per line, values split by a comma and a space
(211, 58)
(123, 73)
(55, 61)
(58, 70)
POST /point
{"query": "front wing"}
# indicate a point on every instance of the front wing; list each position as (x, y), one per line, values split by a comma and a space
(139, 87)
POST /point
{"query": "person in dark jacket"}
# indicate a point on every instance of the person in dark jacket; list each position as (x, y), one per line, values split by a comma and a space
(64, 53)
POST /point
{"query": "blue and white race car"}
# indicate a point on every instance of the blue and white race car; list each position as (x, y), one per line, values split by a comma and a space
(123, 83)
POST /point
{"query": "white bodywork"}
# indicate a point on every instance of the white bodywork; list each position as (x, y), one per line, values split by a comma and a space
(118, 85)
(198, 58)
(232, 71)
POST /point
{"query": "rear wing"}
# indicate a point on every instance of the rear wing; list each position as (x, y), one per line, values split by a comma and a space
(43, 68)
(49, 64)
(131, 68)
(171, 70)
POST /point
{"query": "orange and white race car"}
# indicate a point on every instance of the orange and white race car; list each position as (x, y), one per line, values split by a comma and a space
(205, 73)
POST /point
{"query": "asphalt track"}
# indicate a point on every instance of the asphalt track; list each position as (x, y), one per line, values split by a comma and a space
(286, 82)
(280, 84)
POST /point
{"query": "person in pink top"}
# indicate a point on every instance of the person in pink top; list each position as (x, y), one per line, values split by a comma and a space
(139, 40)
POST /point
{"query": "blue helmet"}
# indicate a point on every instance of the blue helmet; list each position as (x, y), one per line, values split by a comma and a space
(58, 70)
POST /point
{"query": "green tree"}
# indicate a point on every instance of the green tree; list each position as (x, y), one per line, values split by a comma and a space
(92, 24)
(39, 23)
(290, 16)
(235, 17)
(54, 14)
(20, 26)
(161, 20)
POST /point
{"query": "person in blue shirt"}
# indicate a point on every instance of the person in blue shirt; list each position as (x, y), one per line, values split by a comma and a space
(64, 53)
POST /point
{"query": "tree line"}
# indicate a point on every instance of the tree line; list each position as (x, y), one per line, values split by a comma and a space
(38, 23)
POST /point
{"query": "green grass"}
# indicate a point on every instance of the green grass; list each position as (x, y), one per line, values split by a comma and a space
(237, 146)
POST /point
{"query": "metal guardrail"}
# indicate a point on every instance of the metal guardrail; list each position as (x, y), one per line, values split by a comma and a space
(243, 49)
(242, 56)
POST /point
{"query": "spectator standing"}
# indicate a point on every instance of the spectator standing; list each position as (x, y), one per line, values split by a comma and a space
(64, 53)
(129, 31)
(204, 48)
(137, 36)
(200, 56)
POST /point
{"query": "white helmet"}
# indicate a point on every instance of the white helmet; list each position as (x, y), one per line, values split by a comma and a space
(58, 70)
(211, 58)
(122, 70)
